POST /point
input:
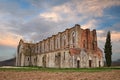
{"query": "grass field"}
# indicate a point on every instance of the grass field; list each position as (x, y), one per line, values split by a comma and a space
(37, 73)
(61, 69)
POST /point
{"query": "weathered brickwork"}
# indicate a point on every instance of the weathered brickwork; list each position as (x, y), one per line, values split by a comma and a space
(72, 48)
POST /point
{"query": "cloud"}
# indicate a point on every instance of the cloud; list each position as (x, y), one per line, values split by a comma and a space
(9, 39)
(79, 11)
(115, 27)
(46, 4)
(115, 36)
(14, 9)
(61, 14)
(90, 24)
(45, 18)
(38, 28)
(51, 16)
(94, 7)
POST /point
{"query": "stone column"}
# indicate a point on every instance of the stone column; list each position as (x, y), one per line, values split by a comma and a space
(78, 36)
(53, 43)
(88, 38)
(73, 60)
(94, 39)
(22, 59)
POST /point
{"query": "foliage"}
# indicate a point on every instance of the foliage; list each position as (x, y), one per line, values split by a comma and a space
(108, 49)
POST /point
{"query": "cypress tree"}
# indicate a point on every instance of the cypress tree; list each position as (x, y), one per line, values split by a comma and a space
(108, 49)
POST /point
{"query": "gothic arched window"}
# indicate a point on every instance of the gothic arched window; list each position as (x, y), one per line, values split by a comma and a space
(84, 44)
(73, 38)
(94, 45)
(57, 43)
(51, 44)
(64, 41)
(47, 46)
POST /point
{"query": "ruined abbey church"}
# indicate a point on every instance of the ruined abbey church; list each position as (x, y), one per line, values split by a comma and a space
(72, 48)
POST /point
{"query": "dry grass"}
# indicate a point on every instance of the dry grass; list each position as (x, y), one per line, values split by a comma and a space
(57, 75)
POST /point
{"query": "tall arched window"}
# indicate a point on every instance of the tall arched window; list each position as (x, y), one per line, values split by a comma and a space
(42, 46)
(64, 41)
(57, 42)
(51, 44)
(47, 46)
(84, 44)
(73, 38)
(94, 45)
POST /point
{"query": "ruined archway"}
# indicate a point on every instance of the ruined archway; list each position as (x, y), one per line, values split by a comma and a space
(90, 63)
(78, 62)
(58, 60)
(44, 61)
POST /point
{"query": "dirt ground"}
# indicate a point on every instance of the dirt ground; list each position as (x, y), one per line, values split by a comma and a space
(40, 75)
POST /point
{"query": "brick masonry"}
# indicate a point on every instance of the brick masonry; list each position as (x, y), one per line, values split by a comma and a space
(72, 48)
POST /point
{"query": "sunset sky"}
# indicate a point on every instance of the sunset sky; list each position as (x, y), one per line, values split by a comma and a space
(33, 20)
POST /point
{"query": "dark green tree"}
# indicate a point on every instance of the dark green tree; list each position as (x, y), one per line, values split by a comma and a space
(108, 50)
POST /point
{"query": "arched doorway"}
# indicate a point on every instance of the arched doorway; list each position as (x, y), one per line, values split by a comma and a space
(78, 63)
(58, 60)
(99, 64)
(44, 60)
(90, 63)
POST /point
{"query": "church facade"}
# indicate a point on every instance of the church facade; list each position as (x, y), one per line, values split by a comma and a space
(72, 48)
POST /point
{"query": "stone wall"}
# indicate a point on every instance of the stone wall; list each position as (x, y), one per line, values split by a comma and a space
(55, 50)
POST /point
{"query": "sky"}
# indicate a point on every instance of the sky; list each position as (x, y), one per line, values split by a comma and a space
(34, 20)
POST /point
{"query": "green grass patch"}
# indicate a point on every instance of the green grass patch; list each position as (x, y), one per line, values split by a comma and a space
(61, 69)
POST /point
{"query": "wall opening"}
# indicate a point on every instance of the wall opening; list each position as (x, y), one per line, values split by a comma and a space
(99, 64)
(84, 44)
(78, 63)
(28, 58)
(44, 61)
(73, 39)
(64, 41)
(64, 55)
(58, 60)
(90, 63)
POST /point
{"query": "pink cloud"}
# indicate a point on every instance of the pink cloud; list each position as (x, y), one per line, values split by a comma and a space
(9, 39)
(115, 36)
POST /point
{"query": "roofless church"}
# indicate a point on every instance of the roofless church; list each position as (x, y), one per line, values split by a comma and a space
(72, 48)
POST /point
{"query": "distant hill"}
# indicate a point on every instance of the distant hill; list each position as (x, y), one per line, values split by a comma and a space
(116, 63)
(9, 62)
